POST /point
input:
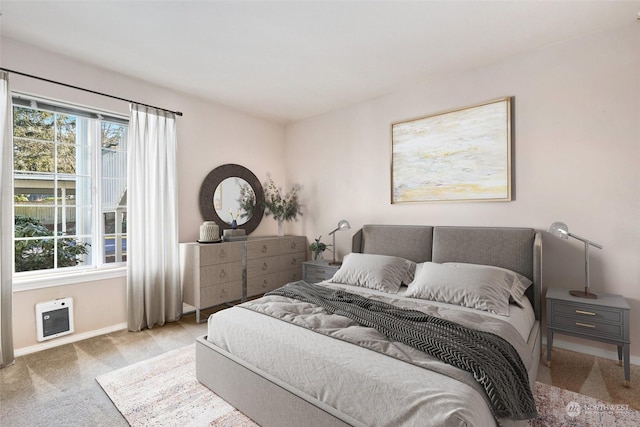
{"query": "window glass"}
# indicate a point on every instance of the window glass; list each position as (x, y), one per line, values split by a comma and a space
(69, 170)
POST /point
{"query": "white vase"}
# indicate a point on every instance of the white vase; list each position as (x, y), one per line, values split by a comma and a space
(209, 232)
(280, 227)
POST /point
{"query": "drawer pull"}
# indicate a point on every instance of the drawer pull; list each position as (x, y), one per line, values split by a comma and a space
(293, 261)
(222, 274)
(223, 254)
(588, 313)
(264, 266)
(586, 325)
(264, 249)
(265, 283)
(223, 293)
(293, 245)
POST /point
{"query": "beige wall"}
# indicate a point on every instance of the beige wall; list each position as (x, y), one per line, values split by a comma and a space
(97, 305)
(208, 135)
(577, 158)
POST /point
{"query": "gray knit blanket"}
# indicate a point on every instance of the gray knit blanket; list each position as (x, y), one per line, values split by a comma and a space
(494, 363)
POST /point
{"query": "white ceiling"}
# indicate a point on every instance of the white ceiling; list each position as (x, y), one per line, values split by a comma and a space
(287, 60)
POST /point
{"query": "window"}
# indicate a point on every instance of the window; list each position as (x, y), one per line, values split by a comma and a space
(70, 186)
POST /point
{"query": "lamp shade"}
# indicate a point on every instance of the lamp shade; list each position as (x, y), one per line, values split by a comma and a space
(559, 229)
(342, 225)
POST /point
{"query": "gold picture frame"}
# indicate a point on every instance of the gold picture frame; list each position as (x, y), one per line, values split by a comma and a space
(457, 155)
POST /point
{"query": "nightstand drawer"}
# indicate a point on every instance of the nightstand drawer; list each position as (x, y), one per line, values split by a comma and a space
(586, 326)
(314, 272)
(314, 278)
(587, 312)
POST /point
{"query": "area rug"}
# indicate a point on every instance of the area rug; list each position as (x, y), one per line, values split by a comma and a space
(163, 391)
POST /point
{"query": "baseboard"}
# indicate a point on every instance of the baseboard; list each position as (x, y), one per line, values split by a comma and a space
(69, 339)
(598, 352)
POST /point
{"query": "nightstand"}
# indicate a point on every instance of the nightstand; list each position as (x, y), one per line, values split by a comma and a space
(317, 271)
(604, 319)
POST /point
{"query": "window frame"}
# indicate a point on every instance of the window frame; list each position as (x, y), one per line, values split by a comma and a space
(99, 270)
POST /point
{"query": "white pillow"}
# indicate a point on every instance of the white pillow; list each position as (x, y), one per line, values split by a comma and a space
(380, 272)
(519, 283)
(468, 285)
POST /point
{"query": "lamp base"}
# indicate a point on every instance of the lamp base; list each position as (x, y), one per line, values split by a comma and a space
(583, 294)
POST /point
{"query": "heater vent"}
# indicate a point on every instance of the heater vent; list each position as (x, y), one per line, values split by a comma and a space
(54, 318)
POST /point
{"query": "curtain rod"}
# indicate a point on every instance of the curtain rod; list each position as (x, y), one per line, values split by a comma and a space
(177, 113)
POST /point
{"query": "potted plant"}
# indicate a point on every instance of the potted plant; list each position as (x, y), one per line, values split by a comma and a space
(317, 248)
(283, 208)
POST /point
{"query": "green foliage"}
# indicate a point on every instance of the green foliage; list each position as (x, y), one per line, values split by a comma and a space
(38, 135)
(281, 207)
(246, 201)
(318, 248)
(38, 254)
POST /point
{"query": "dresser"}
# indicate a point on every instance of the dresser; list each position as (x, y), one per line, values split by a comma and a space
(604, 319)
(218, 273)
(274, 261)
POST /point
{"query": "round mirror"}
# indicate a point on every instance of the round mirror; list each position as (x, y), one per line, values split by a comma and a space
(234, 199)
(232, 192)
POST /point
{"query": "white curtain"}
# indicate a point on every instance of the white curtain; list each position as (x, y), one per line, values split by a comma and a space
(153, 280)
(6, 222)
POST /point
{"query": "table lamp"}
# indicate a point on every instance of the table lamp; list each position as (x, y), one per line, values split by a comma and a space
(561, 230)
(342, 225)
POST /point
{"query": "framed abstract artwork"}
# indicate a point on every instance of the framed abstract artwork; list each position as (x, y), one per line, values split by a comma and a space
(459, 155)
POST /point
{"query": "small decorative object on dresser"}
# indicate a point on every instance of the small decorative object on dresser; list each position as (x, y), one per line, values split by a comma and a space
(318, 271)
(604, 319)
(209, 232)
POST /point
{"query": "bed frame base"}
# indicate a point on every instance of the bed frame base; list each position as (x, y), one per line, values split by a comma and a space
(259, 398)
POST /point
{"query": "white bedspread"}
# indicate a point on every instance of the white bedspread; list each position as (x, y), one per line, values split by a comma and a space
(368, 386)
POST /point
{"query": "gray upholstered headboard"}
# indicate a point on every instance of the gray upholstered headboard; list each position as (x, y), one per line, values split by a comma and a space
(518, 249)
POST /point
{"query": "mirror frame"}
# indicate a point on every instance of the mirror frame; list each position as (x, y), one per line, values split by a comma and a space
(211, 182)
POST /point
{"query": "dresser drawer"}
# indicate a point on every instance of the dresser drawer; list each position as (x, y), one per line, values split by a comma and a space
(260, 266)
(587, 312)
(219, 294)
(264, 283)
(591, 327)
(290, 261)
(220, 273)
(289, 276)
(262, 248)
(293, 244)
(223, 252)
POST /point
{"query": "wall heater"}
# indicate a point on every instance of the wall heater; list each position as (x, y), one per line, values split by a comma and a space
(54, 318)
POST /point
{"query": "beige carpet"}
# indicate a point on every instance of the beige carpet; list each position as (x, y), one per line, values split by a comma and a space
(163, 391)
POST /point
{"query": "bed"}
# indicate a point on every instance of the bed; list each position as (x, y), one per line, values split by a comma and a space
(266, 361)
